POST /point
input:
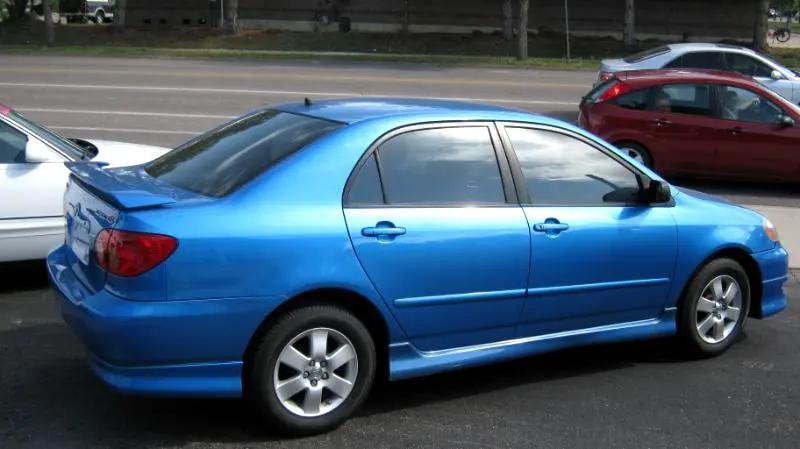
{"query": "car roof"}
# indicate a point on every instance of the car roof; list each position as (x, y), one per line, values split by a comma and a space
(646, 77)
(359, 109)
(707, 46)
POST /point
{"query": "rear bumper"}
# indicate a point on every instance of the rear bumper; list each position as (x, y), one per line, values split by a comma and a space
(172, 348)
(774, 266)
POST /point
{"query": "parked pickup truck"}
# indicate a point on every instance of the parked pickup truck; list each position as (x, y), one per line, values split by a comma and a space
(99, 11)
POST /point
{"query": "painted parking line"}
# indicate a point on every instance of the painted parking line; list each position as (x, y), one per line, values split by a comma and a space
(132, 113)
(125, 130)
(291, 93)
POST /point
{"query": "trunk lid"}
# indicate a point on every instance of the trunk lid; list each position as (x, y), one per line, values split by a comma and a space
(95, 199)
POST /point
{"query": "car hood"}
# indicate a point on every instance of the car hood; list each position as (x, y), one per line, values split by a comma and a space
(121, 154)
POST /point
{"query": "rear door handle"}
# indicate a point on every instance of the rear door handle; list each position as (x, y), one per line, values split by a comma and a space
(662, 122)
(384, 230)
(737, 130)
(550, 227)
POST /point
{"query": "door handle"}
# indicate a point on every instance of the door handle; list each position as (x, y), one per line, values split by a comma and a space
(545, 227)
(737, 130)
(662, 122)
(384, 230)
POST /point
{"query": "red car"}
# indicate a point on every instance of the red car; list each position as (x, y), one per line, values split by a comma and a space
(705, 123)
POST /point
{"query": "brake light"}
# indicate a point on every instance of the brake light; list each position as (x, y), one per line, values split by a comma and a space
(126, 253)
(604, 76)
(614, 91)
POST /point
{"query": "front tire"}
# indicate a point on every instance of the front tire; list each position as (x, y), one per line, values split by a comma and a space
(714, 308)
(311, 370)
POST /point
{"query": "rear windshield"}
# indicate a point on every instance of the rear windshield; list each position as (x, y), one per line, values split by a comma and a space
(223, 159)
(647, 54)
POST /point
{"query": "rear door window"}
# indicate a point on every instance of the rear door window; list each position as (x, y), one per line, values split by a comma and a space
(690, 99)
(633, 100)
(12, 145)
(441, 166)
(222, 160)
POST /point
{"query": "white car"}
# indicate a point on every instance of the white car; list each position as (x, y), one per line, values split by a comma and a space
(33, 178)
(731, 58)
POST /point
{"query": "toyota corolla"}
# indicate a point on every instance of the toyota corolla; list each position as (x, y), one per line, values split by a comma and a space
(295, 254)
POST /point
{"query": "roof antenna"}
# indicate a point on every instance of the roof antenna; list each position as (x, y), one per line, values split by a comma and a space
(307, 102)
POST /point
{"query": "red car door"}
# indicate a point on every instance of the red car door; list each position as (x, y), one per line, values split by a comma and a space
(683, 127)
(754, 142)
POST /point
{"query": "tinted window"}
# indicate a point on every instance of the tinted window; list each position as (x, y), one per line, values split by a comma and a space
(441, 166)
(747, 106)
(699, 60)
(225, 158)
(747, 66)
(66, 146)
(647, 54)
(694, 99)
(633, 100)
(366, 187)
(562, 170)
(12, 145)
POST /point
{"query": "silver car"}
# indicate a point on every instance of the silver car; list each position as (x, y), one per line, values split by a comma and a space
(731, 58)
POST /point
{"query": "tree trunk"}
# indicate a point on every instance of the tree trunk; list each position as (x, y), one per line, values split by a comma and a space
(231, 16)
(760, 29)
(628, 36)
(17, 10)
(508, 21)
(120, 15)
(47, 10)
(406, 18)
(522, 45)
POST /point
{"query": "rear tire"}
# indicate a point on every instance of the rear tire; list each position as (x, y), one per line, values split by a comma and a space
(636, 152)
(296, 382)
(714, 308)
(100, 17)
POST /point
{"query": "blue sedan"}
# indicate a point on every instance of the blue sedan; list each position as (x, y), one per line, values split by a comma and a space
(296, 254)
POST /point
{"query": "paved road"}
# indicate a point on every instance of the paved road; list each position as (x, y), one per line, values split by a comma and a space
(624, 396)
(167, 101)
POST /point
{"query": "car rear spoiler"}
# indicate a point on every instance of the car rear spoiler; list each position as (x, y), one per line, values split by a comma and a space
(121, 190)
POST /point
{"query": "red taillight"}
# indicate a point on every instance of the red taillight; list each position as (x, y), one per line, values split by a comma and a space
(604, 76)
(126, 253)
(614, 91)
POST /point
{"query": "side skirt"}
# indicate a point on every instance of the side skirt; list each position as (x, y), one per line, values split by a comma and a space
(406, 361)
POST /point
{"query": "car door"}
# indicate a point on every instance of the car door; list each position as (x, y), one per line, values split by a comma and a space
(438, 230)
(754, 143)
(598, 257)
(683, 127)
(31, 214)
(750, 66)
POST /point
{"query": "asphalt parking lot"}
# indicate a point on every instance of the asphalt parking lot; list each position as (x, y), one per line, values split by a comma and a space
(641, 395)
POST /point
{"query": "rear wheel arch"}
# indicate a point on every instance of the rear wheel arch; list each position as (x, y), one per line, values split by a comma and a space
(750, 266)
(355, 303)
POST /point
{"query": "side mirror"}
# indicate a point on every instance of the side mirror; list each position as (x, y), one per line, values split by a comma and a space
(36, 151)
(776, 75)
(658, 192)
(786, 121)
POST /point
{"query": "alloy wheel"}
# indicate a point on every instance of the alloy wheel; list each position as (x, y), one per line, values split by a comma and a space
(718, 309)
(315, 372)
